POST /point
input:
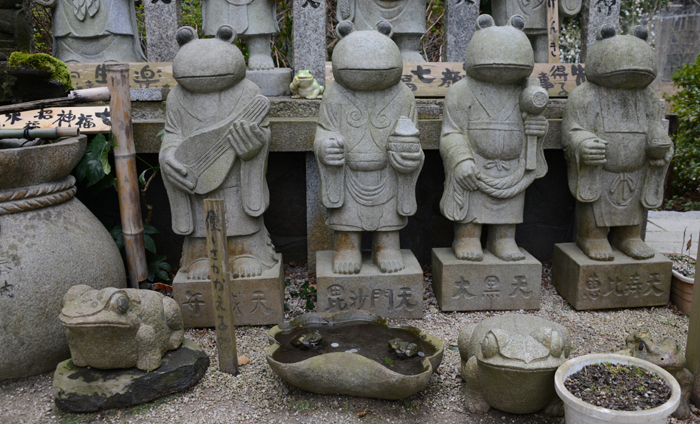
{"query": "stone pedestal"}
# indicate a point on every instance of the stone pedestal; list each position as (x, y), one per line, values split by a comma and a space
(272, 82)
(491, 284)
(394, 295)
(622, 283)
(256, 300)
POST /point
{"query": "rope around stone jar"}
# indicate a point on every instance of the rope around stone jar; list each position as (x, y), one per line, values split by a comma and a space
(37, 196)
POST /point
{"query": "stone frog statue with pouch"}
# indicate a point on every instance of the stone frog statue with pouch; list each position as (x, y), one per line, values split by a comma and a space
(368, 149)
(616, 147)
(215, 146)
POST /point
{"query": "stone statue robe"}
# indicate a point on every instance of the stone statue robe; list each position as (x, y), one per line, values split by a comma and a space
(247, 17)
(96, 31)
(483, 122)
(366, 194)
(405, 16)
(244, 190)
(630, 121)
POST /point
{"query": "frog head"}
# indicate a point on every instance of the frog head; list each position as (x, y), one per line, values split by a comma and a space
(209, 65)
(621, 61)
(84, 307)
(665, 353)
(366, 60)
(544, 348)
(499, 55)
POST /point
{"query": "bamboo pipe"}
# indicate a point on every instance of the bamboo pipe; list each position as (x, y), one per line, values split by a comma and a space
(40, 133)
(125, 165)
(88, 95)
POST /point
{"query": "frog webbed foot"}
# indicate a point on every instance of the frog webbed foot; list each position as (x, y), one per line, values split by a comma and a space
(555, 408)
(473, 396)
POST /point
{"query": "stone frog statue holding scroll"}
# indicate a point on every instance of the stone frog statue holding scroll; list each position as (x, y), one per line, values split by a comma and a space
(368, 149)
(492, 140)
(616, 147)
(215, 146)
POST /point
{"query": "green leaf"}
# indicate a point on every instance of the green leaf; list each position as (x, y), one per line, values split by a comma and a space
(388, 361)
(104, 160)
(118, 235)
(161, 134)
(453, 347)
(106, 182)
(142, 177)
(94, 165)
(157, 267)
(149, 244)
(150, 229)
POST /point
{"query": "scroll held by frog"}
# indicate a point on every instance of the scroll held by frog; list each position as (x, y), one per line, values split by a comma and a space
(492, 140)
(215, 146)
(666, 354)
(616, 147)
(368, 149)
(509, 361)
(120, 328)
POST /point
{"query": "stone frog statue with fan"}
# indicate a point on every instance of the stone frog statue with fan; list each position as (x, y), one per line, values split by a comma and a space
(215, 146)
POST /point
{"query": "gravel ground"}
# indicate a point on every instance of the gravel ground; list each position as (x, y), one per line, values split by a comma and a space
(258, 395)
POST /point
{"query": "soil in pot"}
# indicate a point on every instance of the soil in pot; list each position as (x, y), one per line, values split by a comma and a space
(368, 340)
(682, 264)
(618, 387)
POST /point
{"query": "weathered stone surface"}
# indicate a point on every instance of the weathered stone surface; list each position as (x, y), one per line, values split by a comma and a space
(309, 37)
(617, 148)
(120, 328)
(318, 236)
(509, 361)
(484, 184)
(272, 82)
(622, 283)
(95, 31)
(595, 14)
(492, 284)
(215, 146)
(395, 295)
(460, 22)
(79, 389)
(162, 21)
(256, 300)
(15, 27)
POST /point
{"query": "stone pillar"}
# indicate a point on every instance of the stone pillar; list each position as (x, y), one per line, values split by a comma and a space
(163, 18)
(309, 37)
(460, 16)
(594, 14)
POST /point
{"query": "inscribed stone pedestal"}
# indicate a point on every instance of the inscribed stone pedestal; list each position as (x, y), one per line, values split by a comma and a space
(622, 283)
(309, 37)
(489, 285)
(162, 21)
(272, 82)
(460, 18)
(594, 14)
(256, 300)
(395, 295)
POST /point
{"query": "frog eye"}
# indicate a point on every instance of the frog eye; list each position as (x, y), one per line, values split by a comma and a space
(121, 303)
(489, 345)
(641, 347)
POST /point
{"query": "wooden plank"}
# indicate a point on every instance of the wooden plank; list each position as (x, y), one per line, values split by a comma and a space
(90, 119)
(553, 31)
(221, 287)
(426, 79)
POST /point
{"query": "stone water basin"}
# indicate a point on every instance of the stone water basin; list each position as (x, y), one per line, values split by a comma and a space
(353, 357)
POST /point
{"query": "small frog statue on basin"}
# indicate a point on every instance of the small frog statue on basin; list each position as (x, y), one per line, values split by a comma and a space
(305, 85)
(666, 354)
(120, 328)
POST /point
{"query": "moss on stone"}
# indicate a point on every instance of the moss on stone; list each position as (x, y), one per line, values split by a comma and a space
(43, 62)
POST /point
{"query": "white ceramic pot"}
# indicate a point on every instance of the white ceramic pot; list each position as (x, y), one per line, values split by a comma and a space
(580, 412)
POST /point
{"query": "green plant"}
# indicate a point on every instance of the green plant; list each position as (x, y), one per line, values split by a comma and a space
(94, 165)
(686, 103)
(42, 62)
(388, 361)
(308, 293)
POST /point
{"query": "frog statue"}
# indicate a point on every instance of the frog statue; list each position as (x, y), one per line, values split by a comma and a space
(666, 354)
(616, 147)
(492, 140)
(368, 149)
(305, 85)
(215, 146)
(120, 328)
(509, 361)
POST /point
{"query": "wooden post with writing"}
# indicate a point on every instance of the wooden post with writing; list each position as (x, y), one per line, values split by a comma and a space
(221, 289)
(553, 31)
(692, 351)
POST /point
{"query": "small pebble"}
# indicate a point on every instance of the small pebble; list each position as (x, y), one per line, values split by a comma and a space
(351, 351)
(421, 354)
(335, 344)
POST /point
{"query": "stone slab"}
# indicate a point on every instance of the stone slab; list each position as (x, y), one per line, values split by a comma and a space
(309, 37)
(162, 22)
(86, 389)
(256, 300)
(460, 18)
(621, 283)
(273, 82)
(489, 285)
(395, 295)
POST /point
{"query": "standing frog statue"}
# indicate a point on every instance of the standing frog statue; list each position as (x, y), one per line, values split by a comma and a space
(120, 328)
(666, 354)
(368, 149)
(509, 361)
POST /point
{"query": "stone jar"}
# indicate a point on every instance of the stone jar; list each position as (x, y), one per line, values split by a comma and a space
(49, 241)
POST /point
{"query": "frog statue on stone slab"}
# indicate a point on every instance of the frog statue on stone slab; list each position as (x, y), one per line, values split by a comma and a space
(215, 146)
(616, 147)
(368, 149)
(305, 85)
(492, 140)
